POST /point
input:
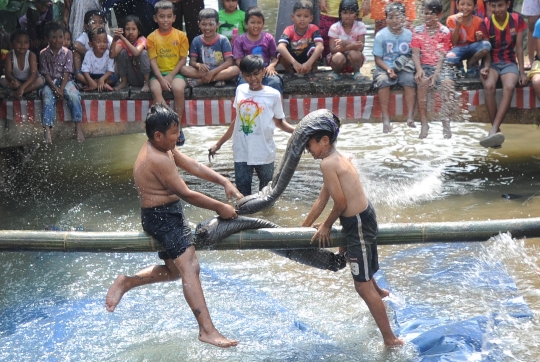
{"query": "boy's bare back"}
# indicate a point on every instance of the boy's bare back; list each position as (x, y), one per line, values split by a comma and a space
(341, 178)
(151, 172)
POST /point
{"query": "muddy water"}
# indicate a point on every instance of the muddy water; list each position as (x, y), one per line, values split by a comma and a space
(52, 302)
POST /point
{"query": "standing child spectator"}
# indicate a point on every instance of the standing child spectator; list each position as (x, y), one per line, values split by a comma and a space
(168, 49)
(98, 67)
(358, 220)
(258, 112)
(378, 12)
(347, 42)
(531, 9)
(534, 74)
(75, 12)
(258, 42)
(128, 48)
(210, 54)
(21, 68)
(231, 18)
(56, 65)
(430, 43)
(301, 45)
(506, 37)
(391, 43)
(329, 15)
(468, 34)
(93, 19)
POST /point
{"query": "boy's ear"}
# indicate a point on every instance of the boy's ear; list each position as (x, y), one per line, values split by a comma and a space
(158, 136)
(155, 18)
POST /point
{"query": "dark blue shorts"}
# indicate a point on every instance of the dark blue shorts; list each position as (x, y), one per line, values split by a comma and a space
(361, 234)
(166, 224)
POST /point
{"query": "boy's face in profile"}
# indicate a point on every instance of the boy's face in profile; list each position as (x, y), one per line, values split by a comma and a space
(499, 8)
(165, 18)
(430, 18)
(208, 27)
(395, 20)
(99, 44)
(254, 79)
(466, 7)
(166, 141)
(301, 18)
(56, 40)
(317, 149)
(255, 25)
(230, 6)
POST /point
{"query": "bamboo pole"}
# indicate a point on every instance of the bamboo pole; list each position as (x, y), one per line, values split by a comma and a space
(280, 238)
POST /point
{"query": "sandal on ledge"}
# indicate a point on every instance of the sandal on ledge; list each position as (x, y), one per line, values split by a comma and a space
(334, 76)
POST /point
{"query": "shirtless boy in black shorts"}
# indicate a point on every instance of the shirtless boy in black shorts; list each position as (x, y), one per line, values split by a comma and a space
(160, 188)
(357, 217)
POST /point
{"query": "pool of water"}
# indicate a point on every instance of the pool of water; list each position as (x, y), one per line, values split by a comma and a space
(52, 303)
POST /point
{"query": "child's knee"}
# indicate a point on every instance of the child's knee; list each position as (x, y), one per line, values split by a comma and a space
(355, 56)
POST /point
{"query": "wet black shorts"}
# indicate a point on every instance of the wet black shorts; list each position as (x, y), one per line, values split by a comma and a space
(361, 234)
(166, 224)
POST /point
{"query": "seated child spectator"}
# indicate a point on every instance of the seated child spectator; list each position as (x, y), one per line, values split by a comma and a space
(530, 9)
(258, 112)
(210, 54)
(231, 18)
(430, 43)
(56, 65)
(329, 15)
(21, 67)
(347, 42)
(68, 39)
(93, 19)
(168, 49)
(358, 220)
(301, 45)
(258, 42)
(393, 43)
(506, 37)
(128, 48)
(98, 67)
(479, 9)
(377, 9)
(468, 34)
(534, 74)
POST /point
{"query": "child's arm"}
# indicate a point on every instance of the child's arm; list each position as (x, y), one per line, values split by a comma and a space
(79, 48)
(286, 55)
(271, 68)
(381, 64)
(333, 187)
(366, 7)
(315, 56)
(452, 7)
(206, 173)
(101, 83)
(65, 12)
(209, 77)
(283, 125)
(92, 84)
(317, 208)
(484, 72)
(212, 151)
(455, 31)
(65, 79)
(416, 59)
(200, 67)
(8, 69)
(519, 52)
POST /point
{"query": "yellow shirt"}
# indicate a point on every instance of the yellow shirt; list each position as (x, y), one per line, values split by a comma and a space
(167, 48)
(333, 8)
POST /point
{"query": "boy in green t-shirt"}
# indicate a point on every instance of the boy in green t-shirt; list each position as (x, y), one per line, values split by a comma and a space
(231, 18)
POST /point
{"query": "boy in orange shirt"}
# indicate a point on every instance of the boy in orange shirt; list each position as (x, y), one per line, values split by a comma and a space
(468, 34)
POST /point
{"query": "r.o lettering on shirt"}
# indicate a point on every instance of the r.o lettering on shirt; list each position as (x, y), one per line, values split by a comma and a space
(403, 48)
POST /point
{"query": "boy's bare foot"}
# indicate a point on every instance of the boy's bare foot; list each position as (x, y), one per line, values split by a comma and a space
(108, 88)
(446, 131)
(115, 292)
(387, 126)
(424, 131)
(123, 84)
(215, 338)
(80, 134)
(47, 135)
(396, 342)
(410, 123)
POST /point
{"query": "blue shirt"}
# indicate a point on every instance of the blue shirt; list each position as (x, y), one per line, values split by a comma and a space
(212, 54)
(389, 46)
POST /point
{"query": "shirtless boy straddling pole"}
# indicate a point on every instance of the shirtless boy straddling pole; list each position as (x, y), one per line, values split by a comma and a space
(357, 217)
(160, 189)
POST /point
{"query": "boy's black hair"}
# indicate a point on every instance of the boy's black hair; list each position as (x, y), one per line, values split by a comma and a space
(303, 4)
(163, 5)
(97, 31)
(52, 28)
(254, 11)
(160, 118)
(91, 13)
(435, 6)
(334, 124)
(394, 6)
(209, 13)
(135, 19)
(474, 1)
(351, 5)
(251, 63)
(17, 33)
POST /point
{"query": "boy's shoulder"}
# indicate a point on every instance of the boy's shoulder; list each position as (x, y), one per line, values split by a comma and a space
(265, 91)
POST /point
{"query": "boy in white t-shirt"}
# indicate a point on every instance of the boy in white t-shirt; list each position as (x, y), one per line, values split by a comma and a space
(258, 112)
(97, 67)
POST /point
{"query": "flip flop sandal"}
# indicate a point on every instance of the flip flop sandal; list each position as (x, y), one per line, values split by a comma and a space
(191, 83)
(492, 141)
(359, 77)
(334, 76)
(219, 84)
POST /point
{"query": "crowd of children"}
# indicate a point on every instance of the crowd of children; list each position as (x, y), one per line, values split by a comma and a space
(481, 40)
